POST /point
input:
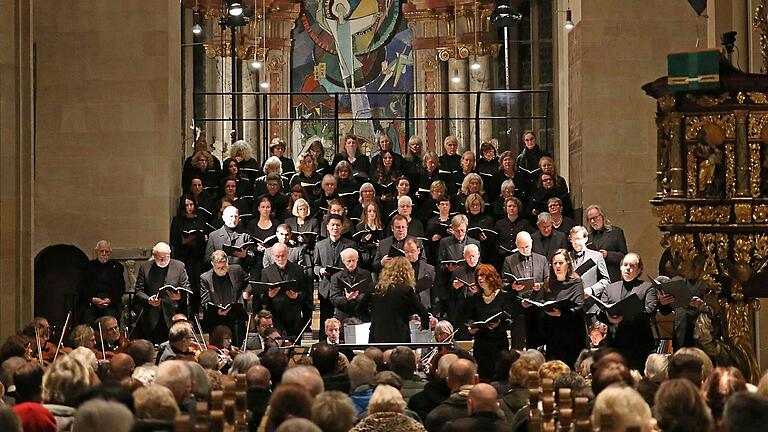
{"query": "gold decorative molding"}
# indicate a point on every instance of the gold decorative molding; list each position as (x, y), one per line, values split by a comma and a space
(710, 214)
(726, 122)
(757, 123)
(670, 214)
(691, 173)
(760, 213)
(708, 100)
(760, 25)
(743, 213)
(741, 98)
(730, 171)
(429, 65)
(754, 169)
(666, 103)
(758, 97)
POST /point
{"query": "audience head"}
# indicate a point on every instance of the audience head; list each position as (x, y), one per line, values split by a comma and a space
(402, 361)
(461, 372)
(65, 382)
(518, 372)
(685, 366)
(656, 366)
(333, 411)
(607, 373)
(209, 359)
(745, 412)
(377, 356)
(679, 407)
(120, 367)
(289, 400)
(27, 416)
(389, 378)
(721, 385)
(142, 351)
(482, 398)
(28, 379)
(306, 376)
(176, 376)
(99, 414)
(276, 362)
(325, 357)
(297, 424)
(445, 362)
(361, 371)
(386, 398)
(155, 402)
(534, 356)
(258, 377)
(242, 362)
(706, 363)
(553, 369)
(625, 407)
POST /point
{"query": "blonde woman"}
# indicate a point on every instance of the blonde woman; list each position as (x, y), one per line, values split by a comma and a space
(393, 303)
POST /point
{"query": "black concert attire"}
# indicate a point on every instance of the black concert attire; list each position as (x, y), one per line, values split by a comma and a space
(390, 313)
(338, 296)
(327, 253)
(289, 314)
(311, 184)
(527, 323)
(102, 281)
(154, 322)
(188, 246)
(224, 290)
(633, 336)
(566, 335)
(527, 169)
(508, 231)
(612, 241)
(455, 305)
(489, 343)
(548, 245)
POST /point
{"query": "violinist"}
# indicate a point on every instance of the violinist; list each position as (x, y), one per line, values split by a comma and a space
(180, 337)
(83, 335)
(221, 342)
(38, 331)
(113, 342)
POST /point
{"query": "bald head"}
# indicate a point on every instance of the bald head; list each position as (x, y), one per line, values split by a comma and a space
(482, 398)
(121, 366)
(461, 372)
(258, 377)
(444, 363)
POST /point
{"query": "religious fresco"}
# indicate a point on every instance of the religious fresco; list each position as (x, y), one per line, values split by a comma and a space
(353, 47)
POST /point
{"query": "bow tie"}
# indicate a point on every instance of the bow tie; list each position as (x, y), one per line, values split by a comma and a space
(525, 258)
(579, 254)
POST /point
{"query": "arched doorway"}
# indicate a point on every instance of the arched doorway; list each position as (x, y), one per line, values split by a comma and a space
(58, 271)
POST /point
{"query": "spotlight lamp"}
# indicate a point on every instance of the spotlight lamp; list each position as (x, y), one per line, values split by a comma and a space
(568, 20)
(505, 15)
(264, 85)
(256, 64)
(197, 29)
(235, 9)
(475, 65)
(456, 79)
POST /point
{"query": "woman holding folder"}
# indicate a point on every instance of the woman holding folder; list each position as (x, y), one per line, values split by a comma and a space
(489, 310)
(631, 333)
(564, 326)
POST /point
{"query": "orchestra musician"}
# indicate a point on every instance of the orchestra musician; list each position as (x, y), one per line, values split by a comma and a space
(157, 307)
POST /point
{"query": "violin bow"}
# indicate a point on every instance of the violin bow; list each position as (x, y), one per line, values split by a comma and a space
(101, 337)
(39, 349)
(247, 327)
(199, 329)
(61, 338)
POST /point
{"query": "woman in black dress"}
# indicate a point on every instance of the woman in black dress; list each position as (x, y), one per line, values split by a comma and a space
(317, 151)
(393, 303)
(359, 163)
(490, 300)
(301, 222)
(565, 329)
(188, 241)
(261, 228)
(307, 177)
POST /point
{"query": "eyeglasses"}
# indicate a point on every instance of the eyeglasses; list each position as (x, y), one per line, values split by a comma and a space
(546, 180)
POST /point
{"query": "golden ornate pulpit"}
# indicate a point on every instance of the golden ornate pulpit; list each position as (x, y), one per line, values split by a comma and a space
(712, 200)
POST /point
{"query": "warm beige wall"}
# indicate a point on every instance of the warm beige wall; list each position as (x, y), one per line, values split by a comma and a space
(108, 130)
(16, 183)
(615, 48)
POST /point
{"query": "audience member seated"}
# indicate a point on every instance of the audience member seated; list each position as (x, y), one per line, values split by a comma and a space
(155, 405)
(517, 396)
(402, 361)
(288, 401)
(361, 371)
(435, 391)
(719, 387)
(305, 376)
(176, 376)
(685, 366)
(387, 413)
(483, 410)
(333, 411)
(325, 357)
(276, 363)
(65, 382)
(625, 408)
(679, 407)
(28, 379)
(655, 373)
(745, 412)
(259, 385)
(462, 376)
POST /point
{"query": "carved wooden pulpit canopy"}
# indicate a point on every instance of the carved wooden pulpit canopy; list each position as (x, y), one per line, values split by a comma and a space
(712, 201)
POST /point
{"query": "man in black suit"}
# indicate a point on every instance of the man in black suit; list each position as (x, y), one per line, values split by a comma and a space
(344, 298)
(451, 248)
(596, 278)
(328, 253)
(422, 269)
(291, 305)
(158, 307)
(103, 285)
(397, 239)
(607, 239)
(547, 240)
(526, 323)
(227, 235)
(221, 286)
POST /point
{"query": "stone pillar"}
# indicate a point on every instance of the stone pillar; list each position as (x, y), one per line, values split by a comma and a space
(480, 79)
(458, 104)
(16, 159)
